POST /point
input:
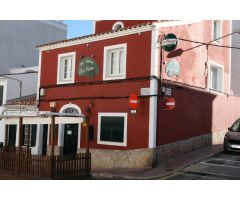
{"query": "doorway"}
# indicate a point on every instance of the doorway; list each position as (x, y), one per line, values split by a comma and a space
(45, 138)
(70, 138)
(12, 130)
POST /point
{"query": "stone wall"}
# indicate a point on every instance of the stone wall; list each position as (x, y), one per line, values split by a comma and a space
(147, 158)
(139, 158)
(174, 149)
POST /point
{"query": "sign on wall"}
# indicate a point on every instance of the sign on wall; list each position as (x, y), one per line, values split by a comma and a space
(88, 67)
(169, 42)
(173, 68)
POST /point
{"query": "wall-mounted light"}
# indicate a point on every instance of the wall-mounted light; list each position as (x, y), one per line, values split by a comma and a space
(42, 92)
(53, 104)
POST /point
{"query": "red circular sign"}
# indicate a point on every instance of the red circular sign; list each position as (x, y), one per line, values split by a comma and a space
(133, 101)
(169, 103)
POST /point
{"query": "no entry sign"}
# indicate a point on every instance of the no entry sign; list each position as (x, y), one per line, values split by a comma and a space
(169, 103)
(133, 101)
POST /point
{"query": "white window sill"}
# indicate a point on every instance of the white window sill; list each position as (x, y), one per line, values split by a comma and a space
(217, 42)
(113, 143)
(114, 78)
(65, 82)
(216, 92)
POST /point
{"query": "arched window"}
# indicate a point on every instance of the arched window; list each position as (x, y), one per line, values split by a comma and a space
(117, 26)
(70, 111)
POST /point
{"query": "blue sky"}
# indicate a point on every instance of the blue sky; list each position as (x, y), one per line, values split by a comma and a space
(78, 28)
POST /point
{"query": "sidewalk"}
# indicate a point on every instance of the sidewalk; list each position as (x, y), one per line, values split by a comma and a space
(164, 169)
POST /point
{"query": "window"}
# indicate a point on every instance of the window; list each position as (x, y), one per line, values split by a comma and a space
(114, 62)
(117, 26)
(217, 30)
(112, 129)
(29, 130)
(216, 77)
(66, 68)
(1, 95)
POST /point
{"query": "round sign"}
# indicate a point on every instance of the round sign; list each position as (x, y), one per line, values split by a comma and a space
(169, 42)
(169, 103)
(133, 101)
(88, 67)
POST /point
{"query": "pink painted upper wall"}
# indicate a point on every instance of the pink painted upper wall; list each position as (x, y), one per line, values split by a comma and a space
(192, 60)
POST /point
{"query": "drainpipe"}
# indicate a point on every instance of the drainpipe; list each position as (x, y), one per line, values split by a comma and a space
(159, 96)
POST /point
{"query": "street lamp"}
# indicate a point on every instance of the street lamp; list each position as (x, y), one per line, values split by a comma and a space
(20, 89)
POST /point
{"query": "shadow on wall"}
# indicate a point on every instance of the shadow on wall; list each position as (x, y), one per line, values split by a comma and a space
(189, 125)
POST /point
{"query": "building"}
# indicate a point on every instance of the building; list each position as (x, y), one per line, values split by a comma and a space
(18, 39)
(235, 80)
(11, 104)
(96, 74)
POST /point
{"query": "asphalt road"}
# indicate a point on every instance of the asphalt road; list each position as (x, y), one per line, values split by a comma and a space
(222, 166)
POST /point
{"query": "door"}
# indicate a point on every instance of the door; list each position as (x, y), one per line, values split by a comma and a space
(45, 137)
(70, 138)
(12, 135)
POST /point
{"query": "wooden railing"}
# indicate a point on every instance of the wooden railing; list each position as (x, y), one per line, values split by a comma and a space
(62, 166)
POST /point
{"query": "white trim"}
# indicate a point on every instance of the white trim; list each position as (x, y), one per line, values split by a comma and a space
(4, 83)
(230, 58)
(48, 135)
(70, 105)
(94, 26)
(221, 32)
(61, 135)
(37, 149)
(47, 120)
(79, 136)
(117, 34)
(209, 77)
(62, 126)
(66, 81)
(105, 59)
(153, 88)
(39, 74)
(97, 38)
(103, 114)
(117, 23)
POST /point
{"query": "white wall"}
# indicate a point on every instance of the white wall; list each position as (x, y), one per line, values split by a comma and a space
(29, 83)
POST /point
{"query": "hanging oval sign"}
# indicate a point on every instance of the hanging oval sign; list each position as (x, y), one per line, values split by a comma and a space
(88, 67)
(173, 68)
(169, 42)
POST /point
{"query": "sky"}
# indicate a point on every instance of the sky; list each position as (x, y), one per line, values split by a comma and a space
(78, 28)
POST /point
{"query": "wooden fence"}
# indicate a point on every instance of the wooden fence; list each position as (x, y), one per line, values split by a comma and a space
(38, 166)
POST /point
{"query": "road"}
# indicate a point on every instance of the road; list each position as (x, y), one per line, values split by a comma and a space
(222, 166)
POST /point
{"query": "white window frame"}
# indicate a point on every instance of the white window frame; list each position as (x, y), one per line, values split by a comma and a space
(108, 49)
(103, 114)
(60, 72)
(220, 40)
(218, 66)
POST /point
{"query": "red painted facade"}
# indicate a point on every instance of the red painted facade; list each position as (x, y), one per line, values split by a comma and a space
(63, 94)
(196, 108)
